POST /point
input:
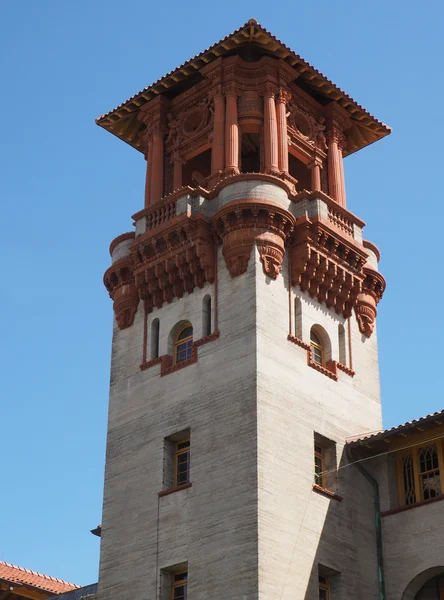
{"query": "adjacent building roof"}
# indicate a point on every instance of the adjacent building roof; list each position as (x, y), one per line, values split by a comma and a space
(76, 594)
(436, 418)
(123, 123)
(12, 573)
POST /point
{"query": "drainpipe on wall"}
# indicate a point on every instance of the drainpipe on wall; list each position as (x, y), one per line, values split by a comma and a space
(378, 524)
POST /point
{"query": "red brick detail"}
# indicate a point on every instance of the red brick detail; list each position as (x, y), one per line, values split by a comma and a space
(298, 342)
(151, 363)
(324, 492)
(329, 370)
(160, 267)
(394, 511)
(345, 369)
(120, 283)
(365, 309)
(173, 490)
(166, 361)
(242, 223)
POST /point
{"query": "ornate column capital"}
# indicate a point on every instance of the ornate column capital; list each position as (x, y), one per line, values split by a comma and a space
(270, 90)
(232, 90)
(284, 96)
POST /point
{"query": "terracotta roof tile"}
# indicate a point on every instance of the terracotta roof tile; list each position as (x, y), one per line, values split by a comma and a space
(316, 80)
(376, 435)
(38, 580)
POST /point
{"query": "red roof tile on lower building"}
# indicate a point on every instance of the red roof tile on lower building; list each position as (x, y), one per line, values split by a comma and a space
(38, 580)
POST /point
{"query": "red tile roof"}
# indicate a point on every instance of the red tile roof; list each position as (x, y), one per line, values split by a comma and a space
(38, 580)
(251, 31)
(379, 435)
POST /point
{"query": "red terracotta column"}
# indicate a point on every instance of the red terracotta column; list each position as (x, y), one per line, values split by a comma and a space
(157, 162)
(177, 171)
(281, 113)
(217, 150)
(270, 132)
(341, 146)
(334, 167)
(148, 158)
(231, 132)
(315, 169)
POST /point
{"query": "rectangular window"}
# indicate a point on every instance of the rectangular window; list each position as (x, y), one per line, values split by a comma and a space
(176, 460)
(324, 588)
(325, 468)
(182, 462)
(179, 586)
(419, 473)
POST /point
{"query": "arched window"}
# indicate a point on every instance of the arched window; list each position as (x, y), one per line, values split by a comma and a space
(183, 344)
(206, 316)
(154, 339)
(342, 345)
(317, 348)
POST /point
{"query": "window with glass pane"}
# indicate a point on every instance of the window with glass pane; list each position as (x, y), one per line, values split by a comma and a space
(319, 465)
(179, 586)
(324, 588)
(182, 463)
(419, 473)
(317, 350)
(429, 472)
(183, 346)
(408, 479)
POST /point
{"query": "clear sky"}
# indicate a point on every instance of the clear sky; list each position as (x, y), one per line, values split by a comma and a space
(68, 188)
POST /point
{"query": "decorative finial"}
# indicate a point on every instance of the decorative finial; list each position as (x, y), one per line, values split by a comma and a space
(252, 22)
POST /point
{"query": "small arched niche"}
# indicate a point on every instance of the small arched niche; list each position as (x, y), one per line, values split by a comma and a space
(298, 318)
(342, 345)
(154, 343)
(206, 316)
(320, 345)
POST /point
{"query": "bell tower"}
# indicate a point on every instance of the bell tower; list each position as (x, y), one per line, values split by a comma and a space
(244, 345)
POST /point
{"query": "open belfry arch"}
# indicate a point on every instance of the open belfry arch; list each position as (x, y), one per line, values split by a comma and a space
(244, 347)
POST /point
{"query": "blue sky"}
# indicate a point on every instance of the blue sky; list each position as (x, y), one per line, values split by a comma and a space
(68, 188)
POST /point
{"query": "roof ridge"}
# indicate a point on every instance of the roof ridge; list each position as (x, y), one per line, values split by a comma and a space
(49, 577)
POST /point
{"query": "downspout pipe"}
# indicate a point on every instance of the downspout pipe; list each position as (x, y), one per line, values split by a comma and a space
(378, 522)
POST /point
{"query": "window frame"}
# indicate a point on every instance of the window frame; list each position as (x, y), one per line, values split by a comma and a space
(418, 488)
(181, 583)
(319, 478)
(324, 586)
(318, 346)
(179, 452)
(179, 342)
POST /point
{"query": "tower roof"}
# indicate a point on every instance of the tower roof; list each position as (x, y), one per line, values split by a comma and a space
(122, 121)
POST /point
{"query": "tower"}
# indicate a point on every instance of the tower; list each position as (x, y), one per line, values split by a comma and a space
(244, 344)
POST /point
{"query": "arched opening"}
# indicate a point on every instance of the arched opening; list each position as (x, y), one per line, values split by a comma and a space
(154, 346)
(183, 344)
(206, 316)
(320, 345)
(298, 318)
(428, 585)
(342, 345)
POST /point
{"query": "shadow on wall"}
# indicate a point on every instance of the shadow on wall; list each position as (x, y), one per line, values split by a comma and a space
(345, 563)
